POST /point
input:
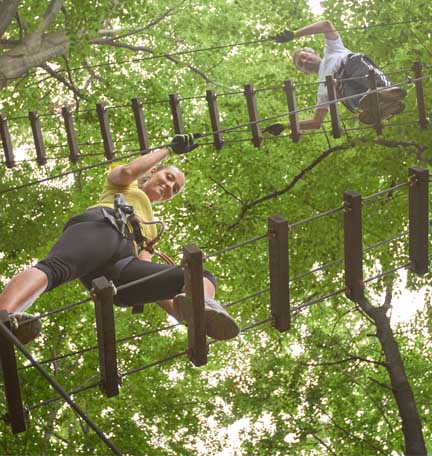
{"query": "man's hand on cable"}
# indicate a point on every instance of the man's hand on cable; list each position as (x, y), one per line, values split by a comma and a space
(275, 129)
(284, 37)
(182, 144)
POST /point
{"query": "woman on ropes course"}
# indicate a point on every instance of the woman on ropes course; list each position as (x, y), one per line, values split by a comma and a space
(350, 69)
(115, 239)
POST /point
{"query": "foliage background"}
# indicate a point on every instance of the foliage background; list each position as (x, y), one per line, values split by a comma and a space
(281, 393)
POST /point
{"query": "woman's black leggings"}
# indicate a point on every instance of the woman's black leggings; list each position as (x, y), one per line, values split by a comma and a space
(90, 246)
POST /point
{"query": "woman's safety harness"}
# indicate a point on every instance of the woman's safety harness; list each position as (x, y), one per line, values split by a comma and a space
(129, 225)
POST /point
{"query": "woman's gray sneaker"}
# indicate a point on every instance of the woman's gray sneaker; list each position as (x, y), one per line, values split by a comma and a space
(219, 323)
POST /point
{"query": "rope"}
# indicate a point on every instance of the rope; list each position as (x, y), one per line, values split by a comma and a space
(211, 48)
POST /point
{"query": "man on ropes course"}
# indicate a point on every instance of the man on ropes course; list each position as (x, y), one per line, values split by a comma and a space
(350, 71)
(115, 239)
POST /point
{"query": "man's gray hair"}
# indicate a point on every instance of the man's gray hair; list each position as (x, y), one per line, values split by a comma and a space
(306, 49)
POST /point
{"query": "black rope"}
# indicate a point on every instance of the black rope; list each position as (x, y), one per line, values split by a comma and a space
(140, 335)
(235, 246)
(211, 48)
(387, 190)
(390, 271)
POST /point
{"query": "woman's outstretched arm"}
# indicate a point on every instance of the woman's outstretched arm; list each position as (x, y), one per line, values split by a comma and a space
(126, 174)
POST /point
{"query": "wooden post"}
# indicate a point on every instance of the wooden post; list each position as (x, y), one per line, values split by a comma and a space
(102, 114)
(331, 91)
(6, 142)
(289, 89)
(193, 273)
(423, 120)
(214, 119)
(102, 295)
(74, 153)
(253, 115)
(37, 136)
(418, 219)
(376, 110)
(140, 123)
(279, 272)
(353, 246)
(15, 415)
(176, 113)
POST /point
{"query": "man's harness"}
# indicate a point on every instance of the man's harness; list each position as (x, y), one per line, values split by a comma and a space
(129, 224)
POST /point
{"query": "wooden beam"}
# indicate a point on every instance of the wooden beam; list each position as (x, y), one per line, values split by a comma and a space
(376, 110)
(177, 117)
(423, 120)
(353, 246)
(289, 89)
(418, 219)
(74, 153)
(279, 272)
(38, 138)
(102, 295)
(140, 123)
(15, 410)
(218, 140)
(193, 274)
(253, 115)
(331, 92)
(6, 142)
(102, 114)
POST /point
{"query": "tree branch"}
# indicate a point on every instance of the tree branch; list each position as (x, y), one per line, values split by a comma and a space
(293, 182)
(50, 14)
(237, 198)
(112, 33)
(346, 360)
(69, 84)
(420, 148)
(110, 42)
(8, 11)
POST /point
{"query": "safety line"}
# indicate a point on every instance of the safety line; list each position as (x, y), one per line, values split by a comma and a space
(140, 335)
(340, 260)
(57, 387)
(390, 271)
(184, 352)
(387, 190)
(226, 130)
(235, 246)
(211, 48)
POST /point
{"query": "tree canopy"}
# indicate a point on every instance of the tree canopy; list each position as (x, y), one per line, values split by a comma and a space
(322, 387)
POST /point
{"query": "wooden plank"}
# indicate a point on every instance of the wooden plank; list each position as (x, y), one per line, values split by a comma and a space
(418, 219)
(141, 125)
(218, 140)
(38, 138)
(255, 127)
(279, 272)
(102, 114)
(74, 153)
(15, 409)
(375, 111)
(353, 246)
(423, 120)
(102, 294)
(193, 274)
(177, 117)
(6, 142)
(289, 89)
(331, 93)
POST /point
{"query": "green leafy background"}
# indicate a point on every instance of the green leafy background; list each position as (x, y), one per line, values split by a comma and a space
(284, 393)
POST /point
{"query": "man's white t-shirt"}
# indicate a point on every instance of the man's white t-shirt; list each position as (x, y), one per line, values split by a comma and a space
(334, 52)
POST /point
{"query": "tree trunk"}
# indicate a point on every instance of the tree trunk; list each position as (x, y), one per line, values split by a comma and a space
(402, 392)
(35, 50)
